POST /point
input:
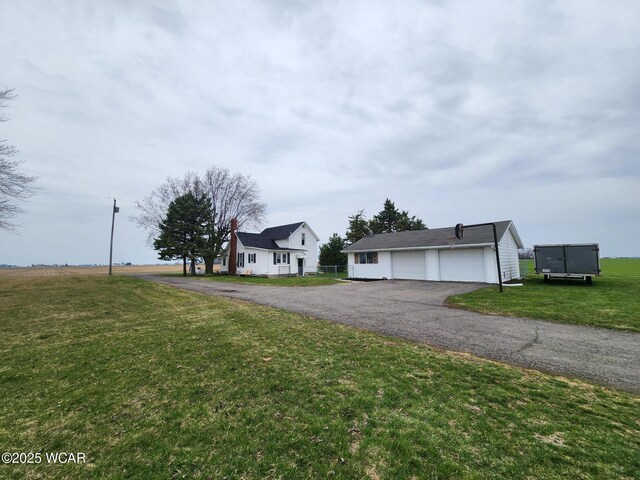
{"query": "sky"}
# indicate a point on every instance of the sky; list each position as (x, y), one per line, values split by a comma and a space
(457, 111)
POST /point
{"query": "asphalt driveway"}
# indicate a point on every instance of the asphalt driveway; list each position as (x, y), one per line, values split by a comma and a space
(414, 311)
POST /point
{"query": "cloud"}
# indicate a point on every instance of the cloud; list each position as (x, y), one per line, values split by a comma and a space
(454, 110)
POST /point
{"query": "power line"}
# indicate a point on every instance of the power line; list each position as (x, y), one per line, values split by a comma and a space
(46, 192)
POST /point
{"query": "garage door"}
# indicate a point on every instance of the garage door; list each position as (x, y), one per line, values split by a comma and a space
(409, 265)
(462, 265)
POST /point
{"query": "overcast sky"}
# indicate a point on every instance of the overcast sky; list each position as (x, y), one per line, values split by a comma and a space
(467, 111)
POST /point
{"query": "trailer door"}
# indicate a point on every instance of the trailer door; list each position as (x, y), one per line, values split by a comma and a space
(550, 259)
(582, 259)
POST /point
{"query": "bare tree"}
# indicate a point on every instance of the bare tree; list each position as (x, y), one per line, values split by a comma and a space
(232, 195)
(13, 184)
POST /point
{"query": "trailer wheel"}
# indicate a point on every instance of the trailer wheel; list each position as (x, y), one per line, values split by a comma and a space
(589, 280)
(546, 278)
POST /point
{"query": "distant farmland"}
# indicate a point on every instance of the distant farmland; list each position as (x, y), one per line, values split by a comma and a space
(101, 270)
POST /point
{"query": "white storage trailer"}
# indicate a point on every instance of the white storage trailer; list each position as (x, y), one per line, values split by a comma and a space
(568, 261)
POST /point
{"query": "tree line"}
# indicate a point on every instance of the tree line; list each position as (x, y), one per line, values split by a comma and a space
(388, 220)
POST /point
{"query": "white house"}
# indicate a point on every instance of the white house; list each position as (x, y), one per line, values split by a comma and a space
(283, 250)
(435, 254)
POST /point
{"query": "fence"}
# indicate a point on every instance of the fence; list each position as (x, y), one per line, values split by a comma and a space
(526, 267)
(333, 270)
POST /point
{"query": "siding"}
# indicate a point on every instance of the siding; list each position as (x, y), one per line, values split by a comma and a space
(310, 245)
(509, 263)
(433, 265)
(382, 269)
(260, 267)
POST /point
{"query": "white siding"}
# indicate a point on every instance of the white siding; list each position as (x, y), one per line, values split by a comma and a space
(382, 269)
(509, 263)
(281, 268)
(490, 265)
(261, 266)
(433, 265)
(462, 265)
(310, 246)
(409, 265)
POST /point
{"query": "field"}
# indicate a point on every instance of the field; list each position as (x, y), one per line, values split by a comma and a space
(613, 301)
(73, 271)
(153, 382)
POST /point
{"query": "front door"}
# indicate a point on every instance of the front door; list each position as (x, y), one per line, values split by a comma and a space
(301, 266)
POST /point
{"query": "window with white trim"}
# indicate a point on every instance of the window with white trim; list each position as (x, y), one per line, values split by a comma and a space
(241, 260)
(251, 258)
(303, 238)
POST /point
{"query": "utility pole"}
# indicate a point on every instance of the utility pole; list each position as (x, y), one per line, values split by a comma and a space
(113, 221)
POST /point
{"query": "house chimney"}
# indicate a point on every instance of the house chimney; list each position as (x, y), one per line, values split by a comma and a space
(233, 248)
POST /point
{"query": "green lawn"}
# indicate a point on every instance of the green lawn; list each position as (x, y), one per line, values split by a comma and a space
(154, 382)
(305, 281)
(613, 301)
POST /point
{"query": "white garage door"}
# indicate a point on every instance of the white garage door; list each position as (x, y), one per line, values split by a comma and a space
(462, 265)
(409, 265)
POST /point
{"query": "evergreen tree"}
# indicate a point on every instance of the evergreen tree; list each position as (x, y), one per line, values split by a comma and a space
(386, 221)
(390, 220)
(331, 252)
(183, 233)
(409, 223)
(358, 227)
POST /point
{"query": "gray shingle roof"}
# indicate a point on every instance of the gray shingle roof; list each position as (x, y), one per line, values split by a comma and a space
(266, 239)
(280, 232)
(434, 237)
(256, 240)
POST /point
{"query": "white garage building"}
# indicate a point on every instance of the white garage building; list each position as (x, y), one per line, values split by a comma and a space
(434, 255)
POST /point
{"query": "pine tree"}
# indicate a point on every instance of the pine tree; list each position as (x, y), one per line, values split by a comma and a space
(183, 233)
(390, 220)
(358, 227)
(331, 252)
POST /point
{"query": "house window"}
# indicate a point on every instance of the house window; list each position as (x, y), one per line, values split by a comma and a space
(281, 258)
(251, 258)
(241, 260)
(366, 257)
(224, 261)
(303, 238)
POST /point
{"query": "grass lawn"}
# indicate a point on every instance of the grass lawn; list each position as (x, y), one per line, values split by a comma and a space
(306, 281)
(154, 382)
(613, 301)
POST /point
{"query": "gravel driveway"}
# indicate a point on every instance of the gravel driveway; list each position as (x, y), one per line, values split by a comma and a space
(415, 311)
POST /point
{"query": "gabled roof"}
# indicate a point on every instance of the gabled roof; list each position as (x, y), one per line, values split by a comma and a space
(432, 238)
(266, 239)
(280, 232)
(257, 240)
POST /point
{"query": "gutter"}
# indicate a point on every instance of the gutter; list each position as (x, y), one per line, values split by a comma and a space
(437, 247)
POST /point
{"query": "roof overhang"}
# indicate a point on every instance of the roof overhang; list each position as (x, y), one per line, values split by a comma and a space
(434, 247)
